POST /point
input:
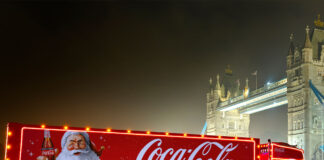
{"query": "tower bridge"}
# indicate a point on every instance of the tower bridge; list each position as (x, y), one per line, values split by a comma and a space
(229, 105)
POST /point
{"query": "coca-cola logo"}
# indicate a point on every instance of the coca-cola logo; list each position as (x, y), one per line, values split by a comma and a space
(199, 153)
(48, 152)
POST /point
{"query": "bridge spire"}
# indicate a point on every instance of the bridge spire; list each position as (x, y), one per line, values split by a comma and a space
(247, 83)
(308, 43)
(211, 83)
(292, 46)
(291, 52)
(217, 82)
(228, 70)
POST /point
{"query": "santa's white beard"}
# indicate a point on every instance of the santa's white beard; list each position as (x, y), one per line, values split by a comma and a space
(86, 154)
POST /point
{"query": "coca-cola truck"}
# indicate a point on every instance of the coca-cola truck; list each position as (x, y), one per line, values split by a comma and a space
(40, 142)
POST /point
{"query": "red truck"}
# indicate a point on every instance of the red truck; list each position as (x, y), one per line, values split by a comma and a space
(280, 151)
(33, 142)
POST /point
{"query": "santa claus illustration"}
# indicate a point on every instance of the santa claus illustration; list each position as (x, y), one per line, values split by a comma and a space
(77, 146)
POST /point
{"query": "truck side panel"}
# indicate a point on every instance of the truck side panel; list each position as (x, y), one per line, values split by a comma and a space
(29, 142)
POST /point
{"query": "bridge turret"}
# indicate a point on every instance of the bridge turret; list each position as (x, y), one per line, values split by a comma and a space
(291, 51)
(211, 83)
(210, 94)
(308, 43)
(308, 49)
(297, 56)
(226, 123)
(217, 90)
(247, 83)
(217, 83)
(246, 88)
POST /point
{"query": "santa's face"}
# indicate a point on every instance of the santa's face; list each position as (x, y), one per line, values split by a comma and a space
(76, 142)
(76, 148)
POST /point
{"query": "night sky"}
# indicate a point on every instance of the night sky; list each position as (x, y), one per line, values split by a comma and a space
(141, 65)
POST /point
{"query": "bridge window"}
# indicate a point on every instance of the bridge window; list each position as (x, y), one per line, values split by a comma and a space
(231, 125)
(315, 122)
(298, 72)
(319, 73)
(300, 126)
(294, 125)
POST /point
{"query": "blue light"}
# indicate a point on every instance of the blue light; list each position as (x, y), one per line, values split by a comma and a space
(321, 148)
(203, 131)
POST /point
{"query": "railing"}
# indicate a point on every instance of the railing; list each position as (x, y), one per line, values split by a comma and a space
(266, 87)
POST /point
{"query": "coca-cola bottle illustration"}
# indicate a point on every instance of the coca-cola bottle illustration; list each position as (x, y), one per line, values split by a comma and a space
(47, 146)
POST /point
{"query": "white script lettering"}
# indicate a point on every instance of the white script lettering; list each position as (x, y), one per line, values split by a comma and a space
(181, 154)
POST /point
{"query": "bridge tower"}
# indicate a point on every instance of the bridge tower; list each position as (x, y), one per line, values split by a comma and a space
(305, 114)
(229, 123)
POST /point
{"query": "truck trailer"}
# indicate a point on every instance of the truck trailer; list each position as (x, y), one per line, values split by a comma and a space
(40, 142)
